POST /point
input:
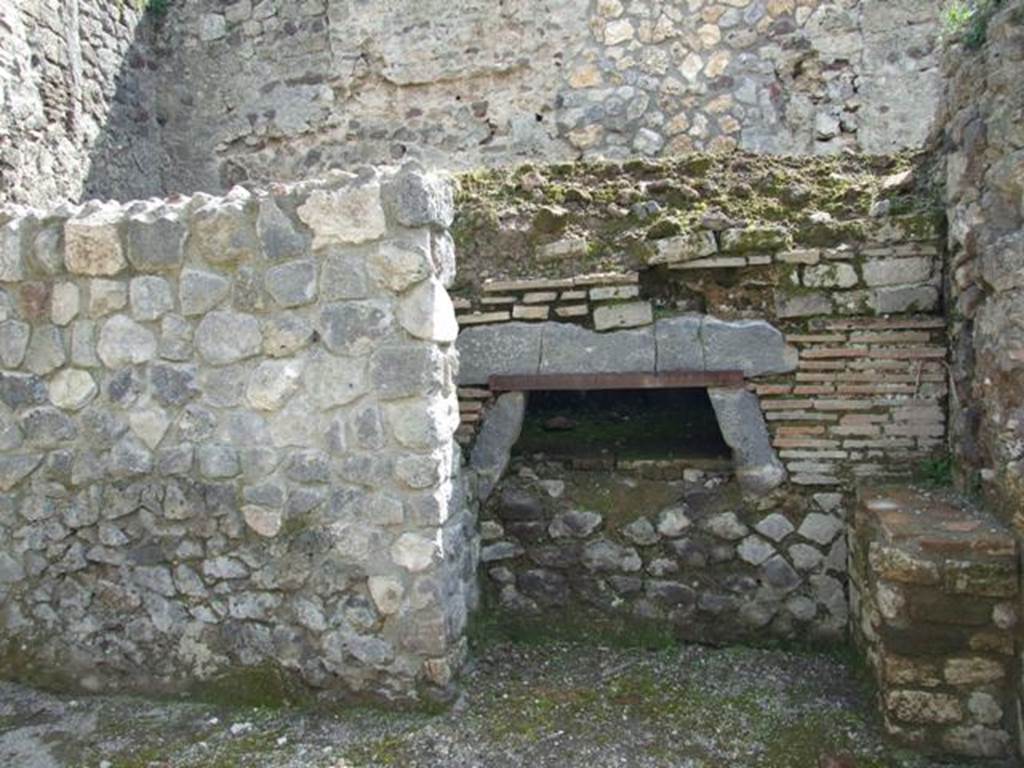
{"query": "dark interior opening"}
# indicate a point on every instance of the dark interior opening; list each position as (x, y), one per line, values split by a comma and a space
(622, 424)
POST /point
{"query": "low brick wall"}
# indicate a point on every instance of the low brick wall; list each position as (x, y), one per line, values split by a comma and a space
(227, 440)
(934, 593)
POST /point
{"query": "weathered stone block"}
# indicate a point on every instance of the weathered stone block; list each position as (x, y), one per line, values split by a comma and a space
(572, 349)
(490, 350)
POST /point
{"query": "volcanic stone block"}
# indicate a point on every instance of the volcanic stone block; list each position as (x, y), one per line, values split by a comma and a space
(758, 468)
(752, 346)
(572, 349)
(488, 350)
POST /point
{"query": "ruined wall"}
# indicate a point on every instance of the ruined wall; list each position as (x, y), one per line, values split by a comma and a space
(819, 279)
(982, 141)
(227, 440)
(77, 88)
(280, 90)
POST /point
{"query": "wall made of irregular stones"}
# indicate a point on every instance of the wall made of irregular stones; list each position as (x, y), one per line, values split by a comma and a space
(264, 90)
(982, 142)
(227, 440)
(77, 89)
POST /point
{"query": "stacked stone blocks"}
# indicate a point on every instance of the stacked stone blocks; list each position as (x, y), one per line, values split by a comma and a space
(228, 439)
(935, 600)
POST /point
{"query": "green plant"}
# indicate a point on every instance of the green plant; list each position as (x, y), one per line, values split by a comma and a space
(936, 472)
(967, 20)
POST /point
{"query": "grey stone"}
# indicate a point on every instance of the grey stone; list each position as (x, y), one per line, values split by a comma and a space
(83, 344)
(11, 570)
(272, 383)
(222, 231)
(401, 264)
(679, 346)
(897, 271)
(154, 246)
(286, 334)
(779, 574)
(406, 370)
(801, 608)
(368, 427)
(505, 349)
(48, 427)
(775, 527)
(426, 312)
(415, 552)
(218, 461)
(72, 388)
(15, 467)
(200, 291)
(604, 556)
(518, 504)
(674, 521)
(820, 528)
(832, 275)
(499, 432)
(573, 349)
(752, 346)
(293, 283)
(263, 521)
(227, 337)
(916, 298)
(332, 381)
(354, 327)
(741, 422)
(280, 239)
(47, 252)
(21, 389)
(150, 297)
(442, 252)
(14, 336)
(419, 199)
(343, 275)
(45, 351)
(977, 741)
(671, 593)
(92, 245)
(685, 247)
(65, 303)
(351, 214)
(224, 567)
(129, 457)
(754, 550)
(106, 296)
(802, 304)
(545, 586)
(125, 342)
(173, 385)
(626, 315)
(576, 524)
(641, 532)
(726, 525)
(149, 425)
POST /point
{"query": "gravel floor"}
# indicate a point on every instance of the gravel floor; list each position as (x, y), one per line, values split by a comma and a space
(557, 704)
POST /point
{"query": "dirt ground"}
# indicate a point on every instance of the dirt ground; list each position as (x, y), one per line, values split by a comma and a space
(536, 705)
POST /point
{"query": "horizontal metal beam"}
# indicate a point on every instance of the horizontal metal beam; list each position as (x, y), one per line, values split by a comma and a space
(593, 381)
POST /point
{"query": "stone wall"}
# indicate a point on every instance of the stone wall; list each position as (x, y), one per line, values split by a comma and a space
(227, 440)
(264, 90)
(983, 145)
(831, 312)
(934, 593)
(77, 95)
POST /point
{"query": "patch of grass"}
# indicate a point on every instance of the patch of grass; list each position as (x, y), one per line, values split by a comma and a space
(936, 472)
(967, 20)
